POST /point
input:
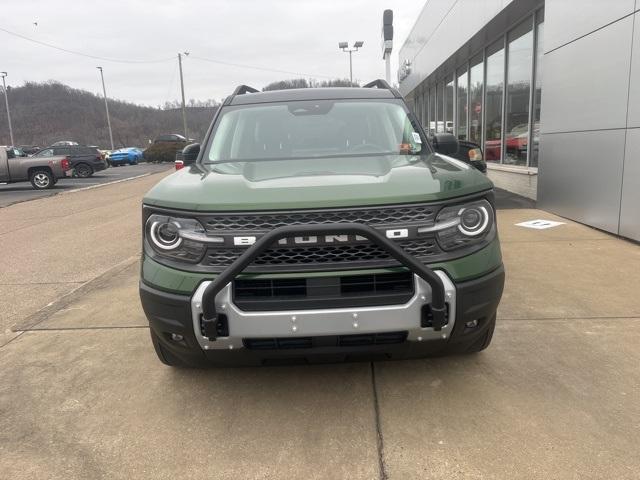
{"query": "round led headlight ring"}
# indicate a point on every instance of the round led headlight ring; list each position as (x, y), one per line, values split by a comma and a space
(165, 235)
(473, 220)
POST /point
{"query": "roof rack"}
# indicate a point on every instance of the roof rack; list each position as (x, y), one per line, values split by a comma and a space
(240, 90)
(379, 83)
(383, 84)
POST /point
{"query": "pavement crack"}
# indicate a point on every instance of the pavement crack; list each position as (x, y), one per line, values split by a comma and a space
(382, 467)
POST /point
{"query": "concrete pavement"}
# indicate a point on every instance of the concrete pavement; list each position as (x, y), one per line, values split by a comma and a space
(555, 396)
(53, 245)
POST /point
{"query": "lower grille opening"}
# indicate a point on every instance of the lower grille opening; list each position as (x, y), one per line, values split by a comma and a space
(277, 343)
(377, 289)
(385, 338)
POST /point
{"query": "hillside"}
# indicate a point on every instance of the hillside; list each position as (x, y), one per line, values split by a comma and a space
(43, 113)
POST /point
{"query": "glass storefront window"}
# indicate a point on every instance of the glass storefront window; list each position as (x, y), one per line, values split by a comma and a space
(448, 105)
(519, 58)
(462, 105)
(535, 134)
(440, 106)
(493, 102)
(432, 111)
(476, 74)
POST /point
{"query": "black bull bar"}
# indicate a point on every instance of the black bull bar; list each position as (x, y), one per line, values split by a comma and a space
(438, 309)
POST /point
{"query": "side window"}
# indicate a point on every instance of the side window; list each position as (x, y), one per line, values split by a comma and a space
(45, 153)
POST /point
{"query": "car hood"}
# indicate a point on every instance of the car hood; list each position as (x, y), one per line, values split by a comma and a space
(317, 183)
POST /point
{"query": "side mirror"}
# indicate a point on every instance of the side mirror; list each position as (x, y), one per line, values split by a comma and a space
(445, 143)
(10, 153)
(190, 153)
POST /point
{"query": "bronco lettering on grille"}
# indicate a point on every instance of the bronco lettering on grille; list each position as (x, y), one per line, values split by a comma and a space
(323, 239)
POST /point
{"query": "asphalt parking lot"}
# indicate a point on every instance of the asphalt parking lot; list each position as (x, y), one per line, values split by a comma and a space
(21, 192)
(82, 395)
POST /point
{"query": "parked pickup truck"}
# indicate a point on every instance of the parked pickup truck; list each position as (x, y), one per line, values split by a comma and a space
(43, 173)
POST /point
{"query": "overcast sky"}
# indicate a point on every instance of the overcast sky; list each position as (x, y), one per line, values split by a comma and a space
(290, 35)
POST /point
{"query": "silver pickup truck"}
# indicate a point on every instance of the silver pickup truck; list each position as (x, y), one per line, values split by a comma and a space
(43, 173)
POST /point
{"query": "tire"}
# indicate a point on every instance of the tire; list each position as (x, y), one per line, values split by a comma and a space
(169, 359)
(41, 179)
(83, 170)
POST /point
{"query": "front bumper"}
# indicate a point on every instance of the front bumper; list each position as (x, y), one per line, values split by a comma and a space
(475, 300)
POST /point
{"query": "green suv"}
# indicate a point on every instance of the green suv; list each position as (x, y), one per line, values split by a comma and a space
(319, 225)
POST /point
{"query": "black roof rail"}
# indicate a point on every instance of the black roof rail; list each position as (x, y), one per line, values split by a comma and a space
(380, 83)
(240, 90)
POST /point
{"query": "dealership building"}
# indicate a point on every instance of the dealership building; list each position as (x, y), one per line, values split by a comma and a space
(549, 89)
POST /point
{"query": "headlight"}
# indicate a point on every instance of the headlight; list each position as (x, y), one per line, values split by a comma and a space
(463, 225)
(183, 239)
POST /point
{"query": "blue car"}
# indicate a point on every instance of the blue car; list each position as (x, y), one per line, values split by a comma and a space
(125, 156)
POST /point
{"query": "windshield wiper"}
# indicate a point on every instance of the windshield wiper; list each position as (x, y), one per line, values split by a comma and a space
(314, 157)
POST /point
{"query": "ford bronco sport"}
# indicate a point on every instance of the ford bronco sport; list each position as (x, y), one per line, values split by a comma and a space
(318, 225)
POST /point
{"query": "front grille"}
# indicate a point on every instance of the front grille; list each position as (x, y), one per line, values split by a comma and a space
(309, 257)
(240, 222)
(323, 292)
(361, 340)
(340, 256)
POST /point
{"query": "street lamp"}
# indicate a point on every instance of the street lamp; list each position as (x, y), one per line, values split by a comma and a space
(344, 46)
(106, 107)
(6, 102)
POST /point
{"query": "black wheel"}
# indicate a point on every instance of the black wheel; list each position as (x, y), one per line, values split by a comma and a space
(83, 170)
(168, 358)
(41, 179)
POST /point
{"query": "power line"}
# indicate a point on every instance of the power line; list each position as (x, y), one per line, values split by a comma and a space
(160, 60)
(95, 57)
(264, 69)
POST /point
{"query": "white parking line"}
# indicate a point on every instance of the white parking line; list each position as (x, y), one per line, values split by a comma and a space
(104, 184)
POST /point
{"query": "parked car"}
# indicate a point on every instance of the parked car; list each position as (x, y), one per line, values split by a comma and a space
(64, 143)
(163, 151)
(84, 160)
(170, 138)
(125, 156)
(43, 173)
(321, 225)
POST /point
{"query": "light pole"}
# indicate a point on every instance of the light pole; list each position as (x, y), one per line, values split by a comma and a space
(184, 110)
(344, 46)
(6, 102)
(106, 107)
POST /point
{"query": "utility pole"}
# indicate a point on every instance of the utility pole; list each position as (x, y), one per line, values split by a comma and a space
(184, 108)
(106, 107)
(6, 102)
(344, 46)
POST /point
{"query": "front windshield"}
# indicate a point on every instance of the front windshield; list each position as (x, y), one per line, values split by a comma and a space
(313, 129)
